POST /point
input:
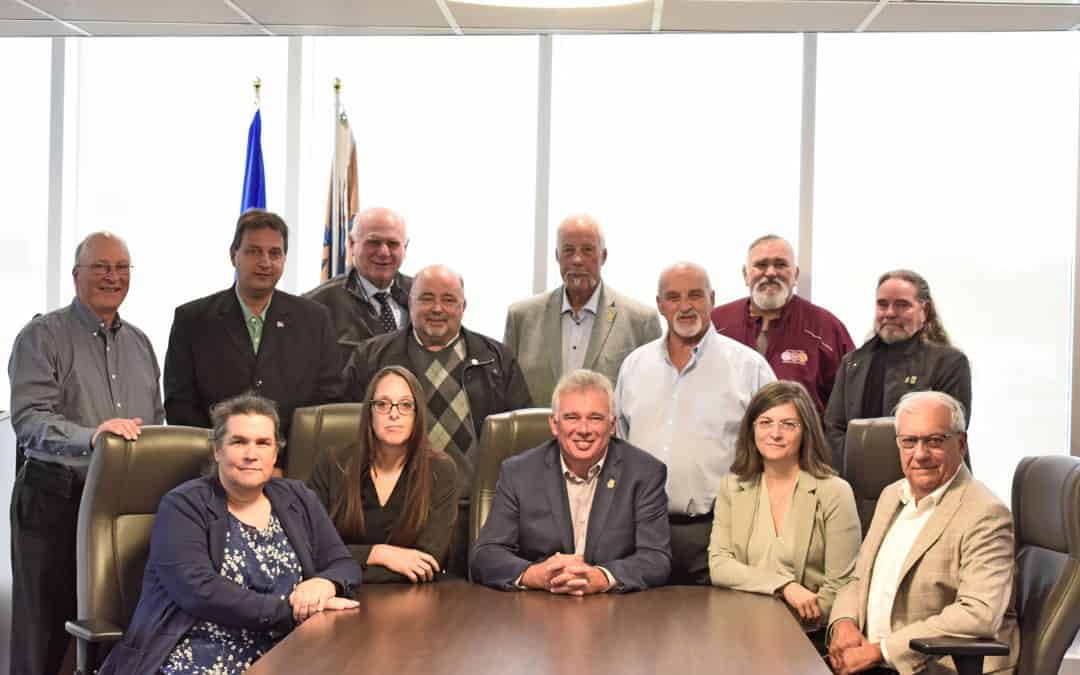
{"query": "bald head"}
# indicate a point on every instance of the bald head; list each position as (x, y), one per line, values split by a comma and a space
(102, 273)
(680, 269)
(379, 241)
(436, 305)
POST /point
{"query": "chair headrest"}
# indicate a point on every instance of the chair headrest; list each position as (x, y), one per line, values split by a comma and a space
(1046, 503)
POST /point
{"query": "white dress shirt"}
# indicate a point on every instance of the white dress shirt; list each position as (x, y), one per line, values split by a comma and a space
(369, 290)
(689, 420)
(576, 330)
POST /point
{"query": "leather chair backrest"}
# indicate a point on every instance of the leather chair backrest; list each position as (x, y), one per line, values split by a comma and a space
(871, 462)
(317, 428)
(1046, 511)
(504, 435)
(124, 485)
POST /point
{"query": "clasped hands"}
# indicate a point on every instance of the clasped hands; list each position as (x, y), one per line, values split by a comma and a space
(850, 651)
(565, 575)
(313, 596)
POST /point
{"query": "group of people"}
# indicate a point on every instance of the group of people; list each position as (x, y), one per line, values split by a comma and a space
(704, 453)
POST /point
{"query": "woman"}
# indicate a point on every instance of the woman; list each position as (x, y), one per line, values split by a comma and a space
(783, 522)
(237, 559)
(392, 498)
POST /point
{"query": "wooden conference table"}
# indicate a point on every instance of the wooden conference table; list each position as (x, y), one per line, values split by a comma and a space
(456, 628)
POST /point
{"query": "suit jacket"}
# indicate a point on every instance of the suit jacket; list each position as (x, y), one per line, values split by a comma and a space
(827, 535)
(491, 378)
(958, 571)
(929, 366)
(210, 357)
(328, 482)
(354, 317)
(530, 518)
(534, 335)
(181, 585)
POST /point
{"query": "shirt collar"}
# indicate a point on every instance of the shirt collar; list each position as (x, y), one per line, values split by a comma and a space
(247, 312)
(934, 498)
(369, 288)
(592, 473)
(754, 313)
(91, 320)
(698, 349)
(424, 347)
(590, 306)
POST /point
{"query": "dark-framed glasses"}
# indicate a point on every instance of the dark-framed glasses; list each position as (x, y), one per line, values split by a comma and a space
(933, 441)
(404, 407)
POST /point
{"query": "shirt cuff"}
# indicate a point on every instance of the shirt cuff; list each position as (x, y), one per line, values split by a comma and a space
(517, 582)
(610, 579)
(885, 654)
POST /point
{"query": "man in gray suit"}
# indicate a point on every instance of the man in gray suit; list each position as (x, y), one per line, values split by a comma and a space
(582, 324)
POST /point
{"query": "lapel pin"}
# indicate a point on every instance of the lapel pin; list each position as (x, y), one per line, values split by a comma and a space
(911, 379)
(610, 314)
(611, 483)
(280, 324)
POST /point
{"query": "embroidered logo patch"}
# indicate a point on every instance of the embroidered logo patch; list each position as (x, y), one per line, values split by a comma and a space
(795, 356)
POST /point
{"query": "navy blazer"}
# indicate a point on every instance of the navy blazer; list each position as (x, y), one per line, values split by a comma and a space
(530, 518)
(181, 585)
(210, 358)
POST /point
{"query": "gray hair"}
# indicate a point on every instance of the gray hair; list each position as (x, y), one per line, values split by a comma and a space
(770, 237)
(581, 380)
(248, 403)
(682, 265)
(425, 271)
(93, 236)
(583, 218)
(958, 418)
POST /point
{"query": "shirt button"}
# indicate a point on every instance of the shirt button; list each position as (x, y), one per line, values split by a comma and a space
(117, 405)
(258, 383)
(114, 376)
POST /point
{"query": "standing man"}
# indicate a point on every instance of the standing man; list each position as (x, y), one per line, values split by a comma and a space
(682, 397)
(251, 336)
(466, 377)
(583, 513)
(910, 351)
(582, 324)
(76, 373)
(372, 298)
(801, 341)
(937, 560)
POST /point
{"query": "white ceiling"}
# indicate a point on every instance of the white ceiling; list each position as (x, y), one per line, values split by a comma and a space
(443, 17)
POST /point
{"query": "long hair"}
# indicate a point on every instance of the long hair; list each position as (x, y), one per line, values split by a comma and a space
(813, 449)
(355, 462)
(934, 330)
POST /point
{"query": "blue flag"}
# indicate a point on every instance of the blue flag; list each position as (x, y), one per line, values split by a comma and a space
(254, 177)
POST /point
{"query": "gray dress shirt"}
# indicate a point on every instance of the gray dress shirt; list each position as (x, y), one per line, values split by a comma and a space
(69, 373)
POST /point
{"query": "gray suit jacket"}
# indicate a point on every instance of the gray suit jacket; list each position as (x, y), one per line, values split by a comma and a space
(958, 573)
(534, 335)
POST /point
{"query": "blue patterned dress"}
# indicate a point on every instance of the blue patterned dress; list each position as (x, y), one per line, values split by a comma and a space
(261, 560)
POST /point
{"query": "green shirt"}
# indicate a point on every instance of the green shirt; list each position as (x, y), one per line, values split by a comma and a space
(254, 322)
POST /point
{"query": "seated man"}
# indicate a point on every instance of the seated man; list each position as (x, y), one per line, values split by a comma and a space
(584, 513)
(938, 559)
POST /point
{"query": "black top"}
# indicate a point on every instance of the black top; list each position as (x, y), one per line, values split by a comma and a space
(379, 520)
(885, 356)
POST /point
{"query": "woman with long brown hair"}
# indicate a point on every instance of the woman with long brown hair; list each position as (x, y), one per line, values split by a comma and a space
(392, 497)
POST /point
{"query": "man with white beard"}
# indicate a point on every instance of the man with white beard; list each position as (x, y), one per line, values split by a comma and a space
(681, 398)
(801, 341)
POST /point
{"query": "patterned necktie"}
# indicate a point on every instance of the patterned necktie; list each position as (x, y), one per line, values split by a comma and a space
(387, 317)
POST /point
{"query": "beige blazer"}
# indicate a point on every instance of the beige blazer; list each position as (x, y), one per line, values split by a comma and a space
(534, 335)
(826, 537)
(956, 581)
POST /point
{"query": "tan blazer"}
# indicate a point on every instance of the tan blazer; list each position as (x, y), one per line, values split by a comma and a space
(826, 537)
(954, 581)
(534, 335)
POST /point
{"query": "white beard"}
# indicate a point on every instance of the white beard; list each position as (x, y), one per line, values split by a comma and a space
(769, 302)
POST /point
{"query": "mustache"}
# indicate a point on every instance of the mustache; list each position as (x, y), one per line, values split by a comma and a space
(769, 281)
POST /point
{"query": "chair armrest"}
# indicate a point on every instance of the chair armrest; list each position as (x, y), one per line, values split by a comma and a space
(94, 630)
(947, 646)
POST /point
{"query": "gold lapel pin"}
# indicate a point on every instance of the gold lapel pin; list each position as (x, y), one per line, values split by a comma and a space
(611, 483)
(610, 314)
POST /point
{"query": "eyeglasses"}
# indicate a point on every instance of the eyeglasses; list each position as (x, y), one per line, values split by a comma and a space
(383, 407)
(933, 441)
(786, 426)
(100, 269)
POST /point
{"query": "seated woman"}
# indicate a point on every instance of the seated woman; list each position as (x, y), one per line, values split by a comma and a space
(392, 497)
(237, 558)
(783, 522)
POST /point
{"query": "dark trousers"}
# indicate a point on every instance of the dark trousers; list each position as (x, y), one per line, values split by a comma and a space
(690, 549)
(44, 514)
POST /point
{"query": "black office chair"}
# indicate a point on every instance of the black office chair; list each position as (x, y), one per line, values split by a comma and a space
(872, 461)
(125, 483)
(317, 428)
(1046, 513)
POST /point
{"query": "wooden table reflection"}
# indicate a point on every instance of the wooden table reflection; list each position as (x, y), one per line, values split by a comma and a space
(456, 628)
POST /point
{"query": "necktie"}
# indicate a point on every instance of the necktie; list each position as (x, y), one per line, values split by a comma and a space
(387, 317)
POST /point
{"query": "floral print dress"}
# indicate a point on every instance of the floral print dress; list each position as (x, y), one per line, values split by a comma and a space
(260, 560)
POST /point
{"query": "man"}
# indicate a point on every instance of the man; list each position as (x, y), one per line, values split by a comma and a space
(910, 351)
(466, 377)
(681, 397)
(583, 513)
(937, 560)
(251, 336)
(76, 373)
(801, 341)
(373, 297)
(582, 324)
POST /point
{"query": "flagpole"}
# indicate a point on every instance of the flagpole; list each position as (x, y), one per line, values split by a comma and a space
(336, 192)
(258, 95)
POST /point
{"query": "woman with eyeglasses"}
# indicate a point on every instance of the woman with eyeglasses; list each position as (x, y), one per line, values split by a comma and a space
(392, 497)
(784, 523)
